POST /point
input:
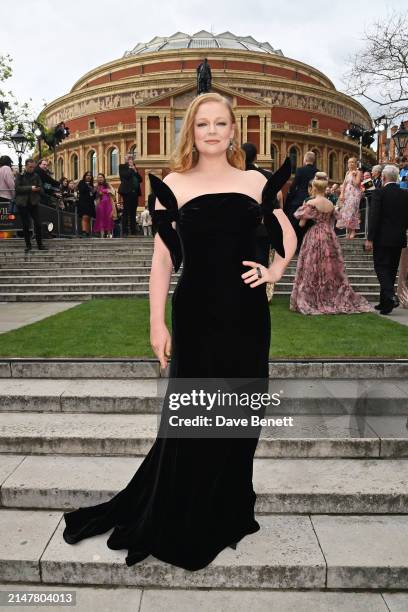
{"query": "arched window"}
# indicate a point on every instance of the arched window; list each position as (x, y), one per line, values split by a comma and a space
(113, 161)
(317, 154)
(332, 165)
(92, 162)
(274, 157)
(74, 167)
(60, 168)
(294, 157)
(345, 162)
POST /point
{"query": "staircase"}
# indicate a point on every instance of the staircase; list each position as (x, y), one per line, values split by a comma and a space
(82, 269)
(332, 494)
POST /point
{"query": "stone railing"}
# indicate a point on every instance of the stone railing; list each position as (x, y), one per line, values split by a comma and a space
(96, 131)
(306, 129)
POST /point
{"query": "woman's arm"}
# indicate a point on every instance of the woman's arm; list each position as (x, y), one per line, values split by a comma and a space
(357, 178)
(159, 284)
(279, 264)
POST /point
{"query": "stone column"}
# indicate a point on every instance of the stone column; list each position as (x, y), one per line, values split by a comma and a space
(268, 136)
(122, 150)
(81, 161)
(162, 152)
(262, 135)
(138, 137)
(325, 167)
(101, 158)
(244, 128)
(144, 136)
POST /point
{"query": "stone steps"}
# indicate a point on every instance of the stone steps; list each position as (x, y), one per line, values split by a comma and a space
(297, 396)
(283, 486)
(364, 284)
(289, 552)
(84, 433)
(117, 368)
(331, 493)
(132, 599)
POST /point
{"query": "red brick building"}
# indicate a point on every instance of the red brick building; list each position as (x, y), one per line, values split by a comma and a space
(137, 104)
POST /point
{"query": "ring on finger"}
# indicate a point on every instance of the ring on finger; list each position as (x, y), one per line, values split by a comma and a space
(258, 272)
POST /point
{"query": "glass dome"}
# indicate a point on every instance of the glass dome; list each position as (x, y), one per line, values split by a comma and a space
(202, 40)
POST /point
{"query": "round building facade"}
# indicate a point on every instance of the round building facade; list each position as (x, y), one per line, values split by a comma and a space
(136, 104)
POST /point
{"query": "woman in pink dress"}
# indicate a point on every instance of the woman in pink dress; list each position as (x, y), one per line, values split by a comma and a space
(349, 200)
(321, 285)
(104, 207)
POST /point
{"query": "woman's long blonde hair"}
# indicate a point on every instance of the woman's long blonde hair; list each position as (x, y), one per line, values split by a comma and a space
(184, 157)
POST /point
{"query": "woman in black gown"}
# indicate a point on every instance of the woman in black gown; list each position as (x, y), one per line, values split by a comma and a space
(191, 498)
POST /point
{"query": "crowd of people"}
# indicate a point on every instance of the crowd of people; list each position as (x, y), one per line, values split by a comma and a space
(103, 211)
(319, 213)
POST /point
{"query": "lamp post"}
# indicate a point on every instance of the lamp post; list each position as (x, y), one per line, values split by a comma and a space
(400, 138)
(380, 124)
(20, 142)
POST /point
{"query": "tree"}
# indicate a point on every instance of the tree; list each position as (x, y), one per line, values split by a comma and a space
(379, 72)
(12, 113)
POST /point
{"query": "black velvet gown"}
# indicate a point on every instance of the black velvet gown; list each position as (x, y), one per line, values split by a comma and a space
(191, 498)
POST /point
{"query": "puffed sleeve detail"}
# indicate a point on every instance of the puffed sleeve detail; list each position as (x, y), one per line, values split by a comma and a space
(162, 219)
(270, 202)
(306, 212)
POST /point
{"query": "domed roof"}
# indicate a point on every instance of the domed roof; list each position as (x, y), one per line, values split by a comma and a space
(203, 40)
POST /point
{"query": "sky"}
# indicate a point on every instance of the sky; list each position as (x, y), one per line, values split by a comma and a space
(54, 43)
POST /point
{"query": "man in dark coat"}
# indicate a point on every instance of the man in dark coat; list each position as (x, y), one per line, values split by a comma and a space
(387, 234)
(298, 192)
(29, 190)
(251, 153)
(51, 187)
(130, 191)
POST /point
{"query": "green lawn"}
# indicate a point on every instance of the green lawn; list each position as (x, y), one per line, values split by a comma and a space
(120, 328)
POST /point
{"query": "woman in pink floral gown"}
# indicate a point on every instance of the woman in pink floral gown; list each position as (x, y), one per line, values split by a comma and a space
(349, 200)
(104, 207)
(321, 285)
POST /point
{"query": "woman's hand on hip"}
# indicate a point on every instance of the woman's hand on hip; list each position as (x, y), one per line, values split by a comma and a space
(259, 274)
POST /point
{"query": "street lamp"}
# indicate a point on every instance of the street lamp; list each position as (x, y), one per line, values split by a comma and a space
(20, 143)
(400, 138)
(380, 124)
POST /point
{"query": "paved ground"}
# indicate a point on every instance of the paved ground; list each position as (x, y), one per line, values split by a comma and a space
(400, 315)
(17, 314)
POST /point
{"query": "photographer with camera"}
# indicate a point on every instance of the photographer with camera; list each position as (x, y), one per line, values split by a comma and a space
(29, 189)
(51, 187)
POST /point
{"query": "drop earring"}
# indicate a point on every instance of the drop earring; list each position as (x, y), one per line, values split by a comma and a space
(231, 145)
(194, 150)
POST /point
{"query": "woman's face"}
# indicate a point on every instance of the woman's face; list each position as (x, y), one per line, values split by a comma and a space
(100, 179)
(88, 177)
(213, 128)
(71, 185)
(352, 164)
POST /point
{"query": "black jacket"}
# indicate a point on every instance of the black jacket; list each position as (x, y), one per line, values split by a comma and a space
(24, 193)
(298, 190)
(126, 174)
(388, 216)
(49, 183)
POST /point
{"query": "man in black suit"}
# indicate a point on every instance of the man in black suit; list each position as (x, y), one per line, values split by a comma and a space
(130, 191)
(298, 192)
(387, 234)
(376, 176)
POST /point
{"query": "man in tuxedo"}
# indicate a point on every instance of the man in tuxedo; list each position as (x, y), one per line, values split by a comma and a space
(130, 191)
(387, 234)
(298, 192)
(376, 176)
